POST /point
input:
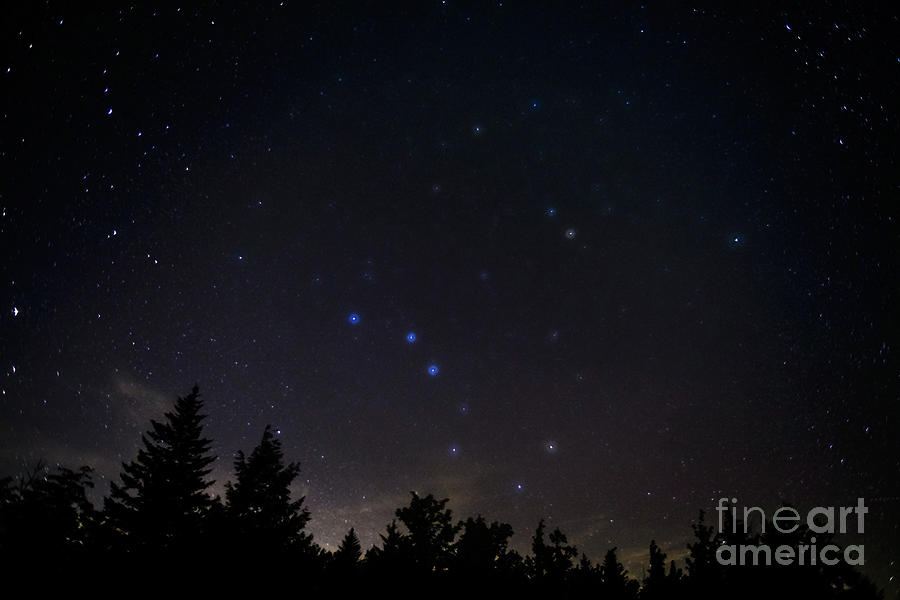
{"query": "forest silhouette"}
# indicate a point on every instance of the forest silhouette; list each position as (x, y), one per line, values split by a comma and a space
(161, 515)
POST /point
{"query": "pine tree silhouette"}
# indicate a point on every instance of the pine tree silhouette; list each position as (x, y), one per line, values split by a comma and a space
(539, 561)
(162, 502)
(584, 579)
(704, 572)
(344, 569)
(263, 517)
(162, 510)
(658, 583)
(614, 577)
(675, 577)
(349, 552)
(394, 558)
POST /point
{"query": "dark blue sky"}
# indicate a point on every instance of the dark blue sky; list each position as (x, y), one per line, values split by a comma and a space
(648, 254)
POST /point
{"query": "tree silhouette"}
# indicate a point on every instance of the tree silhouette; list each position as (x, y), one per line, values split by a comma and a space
(482, 548)
(162, 501)
(262, 516)
(431, 532)
(561, 555)
(395, 557)
(345, 568)
(704, 573)
(658, 583)
(46, 514)
(585, 578)
(550, 562)
(539, 561)
(748, 573)
(162, 507)
(349, 552)
(675, 577)
(614, 578)
(822, 580)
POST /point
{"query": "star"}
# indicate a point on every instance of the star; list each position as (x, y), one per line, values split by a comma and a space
(375, 194)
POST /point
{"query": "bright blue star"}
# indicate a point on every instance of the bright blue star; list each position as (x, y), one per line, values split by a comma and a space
(433, 370)
(353, 319)
(411, 337)
(550, 211)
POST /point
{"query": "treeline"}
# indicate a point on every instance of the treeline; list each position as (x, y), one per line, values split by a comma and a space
(161, 513)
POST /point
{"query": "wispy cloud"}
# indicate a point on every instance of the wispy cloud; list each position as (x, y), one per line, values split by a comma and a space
(135, 402)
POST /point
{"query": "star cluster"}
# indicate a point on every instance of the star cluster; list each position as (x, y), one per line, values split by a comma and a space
(598, 265)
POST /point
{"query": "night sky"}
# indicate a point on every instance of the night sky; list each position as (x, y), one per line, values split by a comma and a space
(599, 265)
